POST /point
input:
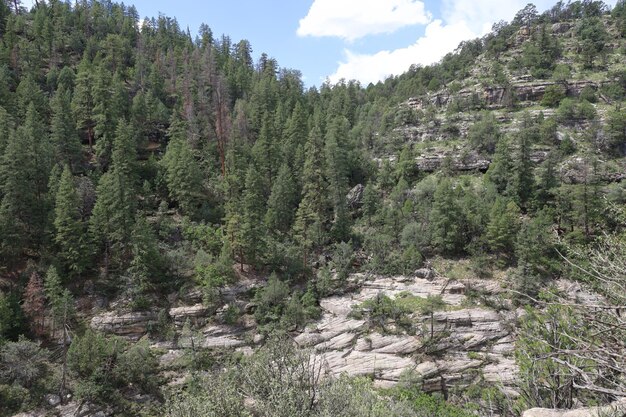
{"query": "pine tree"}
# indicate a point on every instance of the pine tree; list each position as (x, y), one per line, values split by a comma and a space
(66, 79)
(63, 134)
(182, 172)
(311, 214)
(336, 159)
(371, 200)
(146, 266)
(523, 179)
(83, 101)
(113, 215)
(548, 180)
(24, 173)
(283, 201)
(60, 300)
(103, 115)
(124, 153)
(503, 226)
(252, 230)
(266, 153)
(500, 171)
(447, 219)
(295, 135)
(28, 93)
(6, 127)
(69, 229)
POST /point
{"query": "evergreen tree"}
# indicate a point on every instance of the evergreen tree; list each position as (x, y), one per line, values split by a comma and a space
(29, 94)
(616, 127)
(447, 219)
(83, 101)
(103, 115)
(311, 214)
(295, 135)
(548, 180)
(60, 300)
(336, 159)
(69, 229)
(283, 201)
(266, 153)
(371, 200)
(146, 266)
(523, 179)
(182, 172)
(6, 127)
(500, 171)
(113, 215)
(23, 184)
(503, 226)
(63, 134)
(485, 134)
(252, 230)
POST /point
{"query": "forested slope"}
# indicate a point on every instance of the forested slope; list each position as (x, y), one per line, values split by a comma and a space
(173, 212)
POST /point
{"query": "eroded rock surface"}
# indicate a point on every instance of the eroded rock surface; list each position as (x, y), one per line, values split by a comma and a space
(454, 347)
(616, 409)
(130, 325)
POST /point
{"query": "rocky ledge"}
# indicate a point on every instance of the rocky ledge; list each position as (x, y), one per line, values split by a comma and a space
(130, 325)
(616, 409)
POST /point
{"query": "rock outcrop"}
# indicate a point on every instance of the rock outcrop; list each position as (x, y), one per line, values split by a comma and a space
(617, 409)
(130, 325)
(355, 196)
(439, 352)
(195, 314)
(466, 161)
(494, 97)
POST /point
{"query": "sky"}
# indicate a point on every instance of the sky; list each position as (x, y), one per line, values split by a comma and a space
(366, 40)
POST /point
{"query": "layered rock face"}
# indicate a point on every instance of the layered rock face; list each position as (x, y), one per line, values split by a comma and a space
(494, 97)
(130, 325)
(455, 347)
(463, 343)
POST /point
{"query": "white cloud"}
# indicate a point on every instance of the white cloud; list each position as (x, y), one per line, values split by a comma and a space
(354, 19)
(480, 15)
(461, 20)
(437, 41)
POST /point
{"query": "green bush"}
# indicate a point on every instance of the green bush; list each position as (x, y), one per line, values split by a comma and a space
(101, 366)
(589, 94)
(13, 398)
(553, 95)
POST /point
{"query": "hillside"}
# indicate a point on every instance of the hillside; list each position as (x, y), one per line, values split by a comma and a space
(185, 230)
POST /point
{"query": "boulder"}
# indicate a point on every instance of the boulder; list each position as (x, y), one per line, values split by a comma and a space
(425, 273)
(53, 399)
(355, 196)
(560, 27)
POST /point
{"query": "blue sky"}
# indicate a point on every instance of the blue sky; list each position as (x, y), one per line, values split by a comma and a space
(366, 40)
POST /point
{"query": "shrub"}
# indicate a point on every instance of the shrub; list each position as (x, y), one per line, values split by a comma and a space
(23, 363)
(101, 366)
(553, 95)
